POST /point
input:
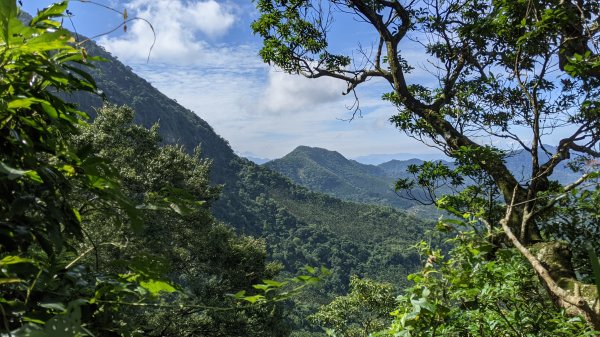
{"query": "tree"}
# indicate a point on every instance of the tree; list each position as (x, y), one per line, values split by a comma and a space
(467, 294)
(507, 71)
(365, 310)
(39, 171)
(205, 259)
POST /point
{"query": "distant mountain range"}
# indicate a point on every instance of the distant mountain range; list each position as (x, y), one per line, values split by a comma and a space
(330, 172)
(376, 159)
(372, 159)
(299, 227)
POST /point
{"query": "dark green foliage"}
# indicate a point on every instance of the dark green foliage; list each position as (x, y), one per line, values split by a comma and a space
(503, 73)
(44, 179)
(206, 260)
(300, 228)
(577, 221)
(77, 257)
(178, 125)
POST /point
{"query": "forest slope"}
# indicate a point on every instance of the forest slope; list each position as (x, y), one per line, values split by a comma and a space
(299, 226)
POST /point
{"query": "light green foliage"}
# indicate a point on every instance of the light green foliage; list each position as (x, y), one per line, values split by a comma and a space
(365, 310)
(467, 293)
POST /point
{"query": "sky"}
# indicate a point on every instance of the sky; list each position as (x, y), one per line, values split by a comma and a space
(206, 57)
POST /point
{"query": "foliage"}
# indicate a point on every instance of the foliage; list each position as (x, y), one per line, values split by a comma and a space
(104, 232)
(180, 241)
(577, 222)
(42, 281)
(468, 294)
(300, 228)
(349, 238)
(365, 310)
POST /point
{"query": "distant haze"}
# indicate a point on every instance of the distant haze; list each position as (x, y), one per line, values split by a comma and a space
(371, 159)
(376, 159)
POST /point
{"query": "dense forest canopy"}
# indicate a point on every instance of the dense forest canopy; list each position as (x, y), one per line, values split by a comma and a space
(136, 249)
(104, 231)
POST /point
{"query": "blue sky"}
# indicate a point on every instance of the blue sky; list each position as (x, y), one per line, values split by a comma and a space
(206, 58)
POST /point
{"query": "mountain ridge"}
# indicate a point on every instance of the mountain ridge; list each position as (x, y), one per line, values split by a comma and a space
(349, 238)
(330, 172)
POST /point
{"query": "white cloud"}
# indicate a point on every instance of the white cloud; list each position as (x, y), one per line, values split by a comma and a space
(210, 17)
(289, 93)
(183, 31)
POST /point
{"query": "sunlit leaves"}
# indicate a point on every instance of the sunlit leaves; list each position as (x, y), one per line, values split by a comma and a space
(275, 291)
(467, 293)
(364, 310)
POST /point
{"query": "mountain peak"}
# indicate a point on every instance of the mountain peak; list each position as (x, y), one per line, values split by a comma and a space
(310, 149)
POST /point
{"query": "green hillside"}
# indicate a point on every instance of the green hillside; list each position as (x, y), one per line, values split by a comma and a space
(137, 219)
(330, 172)
(300, 227)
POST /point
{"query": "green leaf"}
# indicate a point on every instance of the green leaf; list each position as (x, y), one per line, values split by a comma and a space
(58, 306)
(54, 10)
(595, 267)
(155, 287)
(11, 259)
(254, 299)
(239, 295)
(275, 284)
(10, 280)
(11, 172)
(24, 102)
(8, 11)
(65, 325)
(263, 287)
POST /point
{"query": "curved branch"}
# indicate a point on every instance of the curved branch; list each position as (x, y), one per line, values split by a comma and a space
(573, 303)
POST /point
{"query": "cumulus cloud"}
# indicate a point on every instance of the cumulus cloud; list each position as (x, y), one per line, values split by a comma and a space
(287, 93)
(183, 32)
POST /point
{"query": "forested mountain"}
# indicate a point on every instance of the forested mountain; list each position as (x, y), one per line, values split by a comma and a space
(112, 228)
(300, 227)
(329, 172)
